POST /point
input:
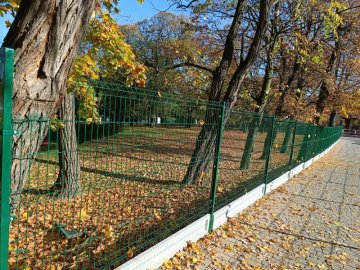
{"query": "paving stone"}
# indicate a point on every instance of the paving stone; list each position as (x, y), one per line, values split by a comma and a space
(312, 222)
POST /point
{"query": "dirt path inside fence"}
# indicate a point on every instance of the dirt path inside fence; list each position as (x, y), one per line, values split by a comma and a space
(311, 222)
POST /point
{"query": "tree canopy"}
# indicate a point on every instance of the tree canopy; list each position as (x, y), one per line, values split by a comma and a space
(309, 51)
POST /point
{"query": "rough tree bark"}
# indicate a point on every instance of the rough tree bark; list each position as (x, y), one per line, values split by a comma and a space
(256, 122)
(332, 118)
(297, 68)
(45, 36)
(324, 86)
(68, 182)
(250, 141)
(288, 137)
(205, 146)
(199, 168)
(261, 100)
(324, 93)
(205, 143)
(284, 88)
(269, 140)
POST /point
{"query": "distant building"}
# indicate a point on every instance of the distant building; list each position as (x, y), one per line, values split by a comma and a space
(352, 122)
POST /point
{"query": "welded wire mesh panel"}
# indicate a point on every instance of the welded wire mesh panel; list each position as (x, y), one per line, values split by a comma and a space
(137, 181)
(281, 149)
(300, 143)
(244, 150)
(96, 185)
(327, 136)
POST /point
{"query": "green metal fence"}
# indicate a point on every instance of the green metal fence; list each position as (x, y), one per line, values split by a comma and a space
(104, 191)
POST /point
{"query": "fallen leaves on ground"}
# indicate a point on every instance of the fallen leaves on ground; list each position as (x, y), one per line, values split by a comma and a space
(260, 234)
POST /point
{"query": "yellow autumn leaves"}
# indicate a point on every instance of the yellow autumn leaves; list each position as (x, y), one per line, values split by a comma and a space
(83, 215)
(181, 259)
(108, 230)
(105, 54)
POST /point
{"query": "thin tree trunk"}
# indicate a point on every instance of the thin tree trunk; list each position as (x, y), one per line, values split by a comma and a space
(287, 138)
(250, 141)
(300, 83)
(285, 88)
(189, 120)
(68, 182)
(256, 122)
(45, 36)
(332, 118)
(307, 143)
(269, 140)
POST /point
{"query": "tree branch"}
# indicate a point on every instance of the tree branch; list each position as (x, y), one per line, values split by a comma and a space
(185, 64)
(242, 70)
(188, 64)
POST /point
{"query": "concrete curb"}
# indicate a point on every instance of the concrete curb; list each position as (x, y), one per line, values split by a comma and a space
(154, 256)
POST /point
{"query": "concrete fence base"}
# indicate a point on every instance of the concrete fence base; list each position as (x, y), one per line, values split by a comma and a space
(154, 256)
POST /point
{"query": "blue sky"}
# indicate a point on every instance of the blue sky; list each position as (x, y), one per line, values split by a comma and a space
(3, 28)
(131, 12)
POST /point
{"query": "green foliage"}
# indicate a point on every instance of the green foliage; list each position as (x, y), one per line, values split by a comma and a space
(167, 43)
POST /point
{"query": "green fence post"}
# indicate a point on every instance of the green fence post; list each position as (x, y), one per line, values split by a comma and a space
(313, 131)
(267, 162)
(308, 138)
(320, 140)
(292, 144)
(214, 183)
(316, 143)
(304, 145)
(6, 81)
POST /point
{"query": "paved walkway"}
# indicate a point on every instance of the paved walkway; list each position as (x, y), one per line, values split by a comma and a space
(311, 222)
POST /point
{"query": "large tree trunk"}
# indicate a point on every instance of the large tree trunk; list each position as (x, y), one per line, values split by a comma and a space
(220, 73)
(324, 86)
(198, 170)
(45, 36)
(68, 183)
(261, 100)
(253, 52)
(205, 145)
(321, 102)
